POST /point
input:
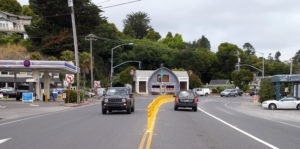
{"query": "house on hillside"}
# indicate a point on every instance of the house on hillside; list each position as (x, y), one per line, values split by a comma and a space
(10, 23)
(150, 81)
(216, 83)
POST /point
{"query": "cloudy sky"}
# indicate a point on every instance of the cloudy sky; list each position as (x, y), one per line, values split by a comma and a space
(269, 25)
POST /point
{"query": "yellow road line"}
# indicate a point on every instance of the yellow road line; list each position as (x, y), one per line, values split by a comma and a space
(141, 146)
(149, 141)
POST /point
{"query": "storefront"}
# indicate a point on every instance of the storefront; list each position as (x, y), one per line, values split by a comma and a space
(161, 80)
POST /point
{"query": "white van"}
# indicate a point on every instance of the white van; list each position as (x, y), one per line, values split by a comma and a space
(203, 91)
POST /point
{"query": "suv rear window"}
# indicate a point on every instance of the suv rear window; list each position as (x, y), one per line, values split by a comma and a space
(185, 94)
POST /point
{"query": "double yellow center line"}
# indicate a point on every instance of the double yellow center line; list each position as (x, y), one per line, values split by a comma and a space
(152, 112)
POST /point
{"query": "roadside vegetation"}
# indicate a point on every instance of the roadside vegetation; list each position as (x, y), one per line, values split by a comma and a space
(50, 35)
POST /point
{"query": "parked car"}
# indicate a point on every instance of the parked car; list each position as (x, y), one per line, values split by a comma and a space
(229, 92)
(118, 98)
(202, 91)
(8, 92)
(283, 103)
(185, 99)
(240, 92)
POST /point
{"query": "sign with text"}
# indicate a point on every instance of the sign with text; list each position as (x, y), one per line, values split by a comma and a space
(64, 95)
(96, 83)
(70, 78)
(27, 97)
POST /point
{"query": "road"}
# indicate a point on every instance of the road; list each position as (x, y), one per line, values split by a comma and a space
(218, 124)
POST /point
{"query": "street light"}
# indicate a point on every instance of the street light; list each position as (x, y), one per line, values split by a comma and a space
(112, 61)
(263, 64)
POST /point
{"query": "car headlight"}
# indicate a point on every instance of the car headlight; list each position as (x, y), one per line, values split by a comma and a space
(105, 100)
(124, 100)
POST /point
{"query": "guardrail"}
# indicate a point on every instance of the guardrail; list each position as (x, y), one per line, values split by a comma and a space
(154, 107)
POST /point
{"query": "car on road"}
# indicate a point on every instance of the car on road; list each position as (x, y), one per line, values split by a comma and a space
(229, 92)
(254, 92)
(185, 99)
(118, 98)
(283, 103)
(202, 91)
(239, 92)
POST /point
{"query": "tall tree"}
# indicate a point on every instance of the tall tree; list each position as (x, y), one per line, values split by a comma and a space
(175, 42)
(11, 6)
(52, 32)
(277, 55)
(26, 11)
(249, 49)
(153, 35)
(242, 78)
(137, 25)
(296, 58)
(67, 56)
(204, 43)
(84, 62)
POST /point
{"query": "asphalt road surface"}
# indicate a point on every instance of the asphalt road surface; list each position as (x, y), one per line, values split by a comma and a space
(218, 124)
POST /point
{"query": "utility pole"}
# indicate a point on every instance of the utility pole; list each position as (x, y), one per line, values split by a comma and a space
(263, 73)
(239, 60)
(91, 37)
(70, 4)
(291, 68)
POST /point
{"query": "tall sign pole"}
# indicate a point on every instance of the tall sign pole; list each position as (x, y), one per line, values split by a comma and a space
(91, 37)
(70, 4)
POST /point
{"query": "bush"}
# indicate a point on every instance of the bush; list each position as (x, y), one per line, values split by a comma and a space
(215, 90)
(12, 39)
(73, 96)
(220, 89)
(267, 90)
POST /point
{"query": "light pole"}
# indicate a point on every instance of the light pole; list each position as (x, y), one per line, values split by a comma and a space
(91, 37)
(112, 59)
(263, 64)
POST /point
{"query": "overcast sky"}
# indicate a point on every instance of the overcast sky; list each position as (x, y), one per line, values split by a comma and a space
(269, 25)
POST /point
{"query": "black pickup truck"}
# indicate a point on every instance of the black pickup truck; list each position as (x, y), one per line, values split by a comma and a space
(118, 98)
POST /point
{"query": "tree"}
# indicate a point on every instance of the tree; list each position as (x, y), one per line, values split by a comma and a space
(203, 43)
(267, 90)
(175, 42)
(137, 25)
(249, 49)
(152, 35)
(51, 33)
(67, 56)
(242, 78)
(194, 80)
(35, 56)
(11, 6)
(84, 63)
(126, 77)
(26, 11)
(277, 55)
(52, 58)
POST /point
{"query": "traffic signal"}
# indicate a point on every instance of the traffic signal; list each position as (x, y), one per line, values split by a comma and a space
(236, 68)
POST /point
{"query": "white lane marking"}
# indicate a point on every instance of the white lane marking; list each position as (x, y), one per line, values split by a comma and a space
(239, 130)
(4, 140)
(33, 105)
(41, 115)
(2, 107)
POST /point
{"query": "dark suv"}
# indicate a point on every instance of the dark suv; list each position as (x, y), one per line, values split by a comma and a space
(186, 99)
(118, 98)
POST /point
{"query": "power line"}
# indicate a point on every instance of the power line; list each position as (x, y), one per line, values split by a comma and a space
(120, 4)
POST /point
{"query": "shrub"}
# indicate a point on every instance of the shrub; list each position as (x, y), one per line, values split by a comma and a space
(214, 90)
(267, 90)
(73, 96)
(220, 89)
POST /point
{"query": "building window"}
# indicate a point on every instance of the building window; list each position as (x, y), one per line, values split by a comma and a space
(166, 78)
(158, 78)
(4, 73)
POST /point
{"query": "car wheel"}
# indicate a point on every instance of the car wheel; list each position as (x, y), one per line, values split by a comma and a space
(221, 96)
(175, 108)
(110, 111)
(206, 94)
(272, 106)
(195, 109)
(128, 110)
(104, 111)
(298, 107)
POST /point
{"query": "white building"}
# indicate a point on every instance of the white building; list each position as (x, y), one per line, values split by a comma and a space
(149, 81)
(10, 23)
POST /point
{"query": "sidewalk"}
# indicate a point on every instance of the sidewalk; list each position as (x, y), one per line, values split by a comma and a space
(17, 109)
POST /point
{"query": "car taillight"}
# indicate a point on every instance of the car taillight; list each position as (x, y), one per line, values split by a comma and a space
(177, 100)
(196, 100)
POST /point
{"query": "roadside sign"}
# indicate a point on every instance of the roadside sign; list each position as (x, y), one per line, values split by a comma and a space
(64, 95)
(27, 63)
(70, 78)
(1, 95)
(27, 97)
(66, 83)
(70, 3)
(96, 83)
(132, 72)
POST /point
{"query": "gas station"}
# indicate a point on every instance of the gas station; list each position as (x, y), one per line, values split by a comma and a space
(294, 79)
(37, 68)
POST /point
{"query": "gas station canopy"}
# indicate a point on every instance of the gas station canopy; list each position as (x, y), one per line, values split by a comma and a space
(41, 66)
